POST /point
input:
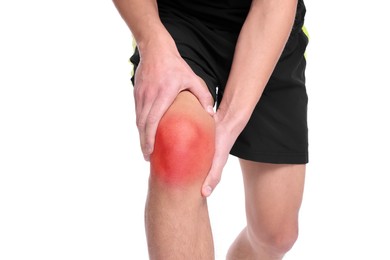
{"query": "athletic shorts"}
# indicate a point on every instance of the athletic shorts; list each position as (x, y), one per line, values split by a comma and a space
(277, 131)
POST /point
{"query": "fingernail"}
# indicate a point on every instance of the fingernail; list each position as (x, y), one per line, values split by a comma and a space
(210, 109)
(207, 191)
(147, 150)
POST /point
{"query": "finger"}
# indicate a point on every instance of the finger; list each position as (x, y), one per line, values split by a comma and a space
(212, 180)
(158, 109)
(202, 93)
(214, 176)
(143, 105)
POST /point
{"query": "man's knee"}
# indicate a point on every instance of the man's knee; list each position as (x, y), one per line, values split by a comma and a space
(277, 240)
(184, 148)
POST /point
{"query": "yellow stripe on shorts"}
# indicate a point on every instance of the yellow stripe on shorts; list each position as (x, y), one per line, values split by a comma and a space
(304, 30)
(134, 43)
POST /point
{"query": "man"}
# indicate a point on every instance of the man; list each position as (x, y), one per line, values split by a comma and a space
(248, 57)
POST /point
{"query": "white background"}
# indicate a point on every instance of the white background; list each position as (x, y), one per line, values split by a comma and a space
(72, 178)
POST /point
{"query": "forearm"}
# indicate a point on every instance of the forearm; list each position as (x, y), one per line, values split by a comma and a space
(259, 46)
(142, 18)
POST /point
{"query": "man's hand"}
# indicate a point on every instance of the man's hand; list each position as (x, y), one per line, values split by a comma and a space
(161, 75)
(257, 51)
(224, 140)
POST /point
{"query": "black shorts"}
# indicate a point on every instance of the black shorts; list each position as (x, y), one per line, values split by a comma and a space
(277, 131)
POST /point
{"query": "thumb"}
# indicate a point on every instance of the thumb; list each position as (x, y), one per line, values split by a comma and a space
(202, 93)
(212, 179)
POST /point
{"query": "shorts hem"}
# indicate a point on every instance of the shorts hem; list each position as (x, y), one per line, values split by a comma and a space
(274, 158)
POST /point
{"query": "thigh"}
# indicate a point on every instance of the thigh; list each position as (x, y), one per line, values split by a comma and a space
(273, 194)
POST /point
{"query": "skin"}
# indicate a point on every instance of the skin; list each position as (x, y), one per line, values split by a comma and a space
(273, 196)
(259, 46)
(184, 145)
(158, 81)
(177, 223)
(176, 215)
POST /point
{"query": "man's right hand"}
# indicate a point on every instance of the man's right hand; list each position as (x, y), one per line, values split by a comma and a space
(160, 76)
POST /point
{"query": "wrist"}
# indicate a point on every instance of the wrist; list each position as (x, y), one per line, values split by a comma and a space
(156, 39)
(233, 120)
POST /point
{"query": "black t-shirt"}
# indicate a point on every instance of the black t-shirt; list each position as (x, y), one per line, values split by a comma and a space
(220, 14)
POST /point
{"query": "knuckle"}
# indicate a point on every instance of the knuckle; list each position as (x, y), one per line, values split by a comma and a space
(140, 123)
(144, 89)
(138, 91)
(215, 178)
(148, 145)
(207, 95)
(152, 119)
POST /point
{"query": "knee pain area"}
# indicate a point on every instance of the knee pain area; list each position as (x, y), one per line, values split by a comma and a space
(183, 152)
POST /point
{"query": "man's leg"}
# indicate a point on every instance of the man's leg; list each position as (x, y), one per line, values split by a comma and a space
(176, 216)
(273, 195)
